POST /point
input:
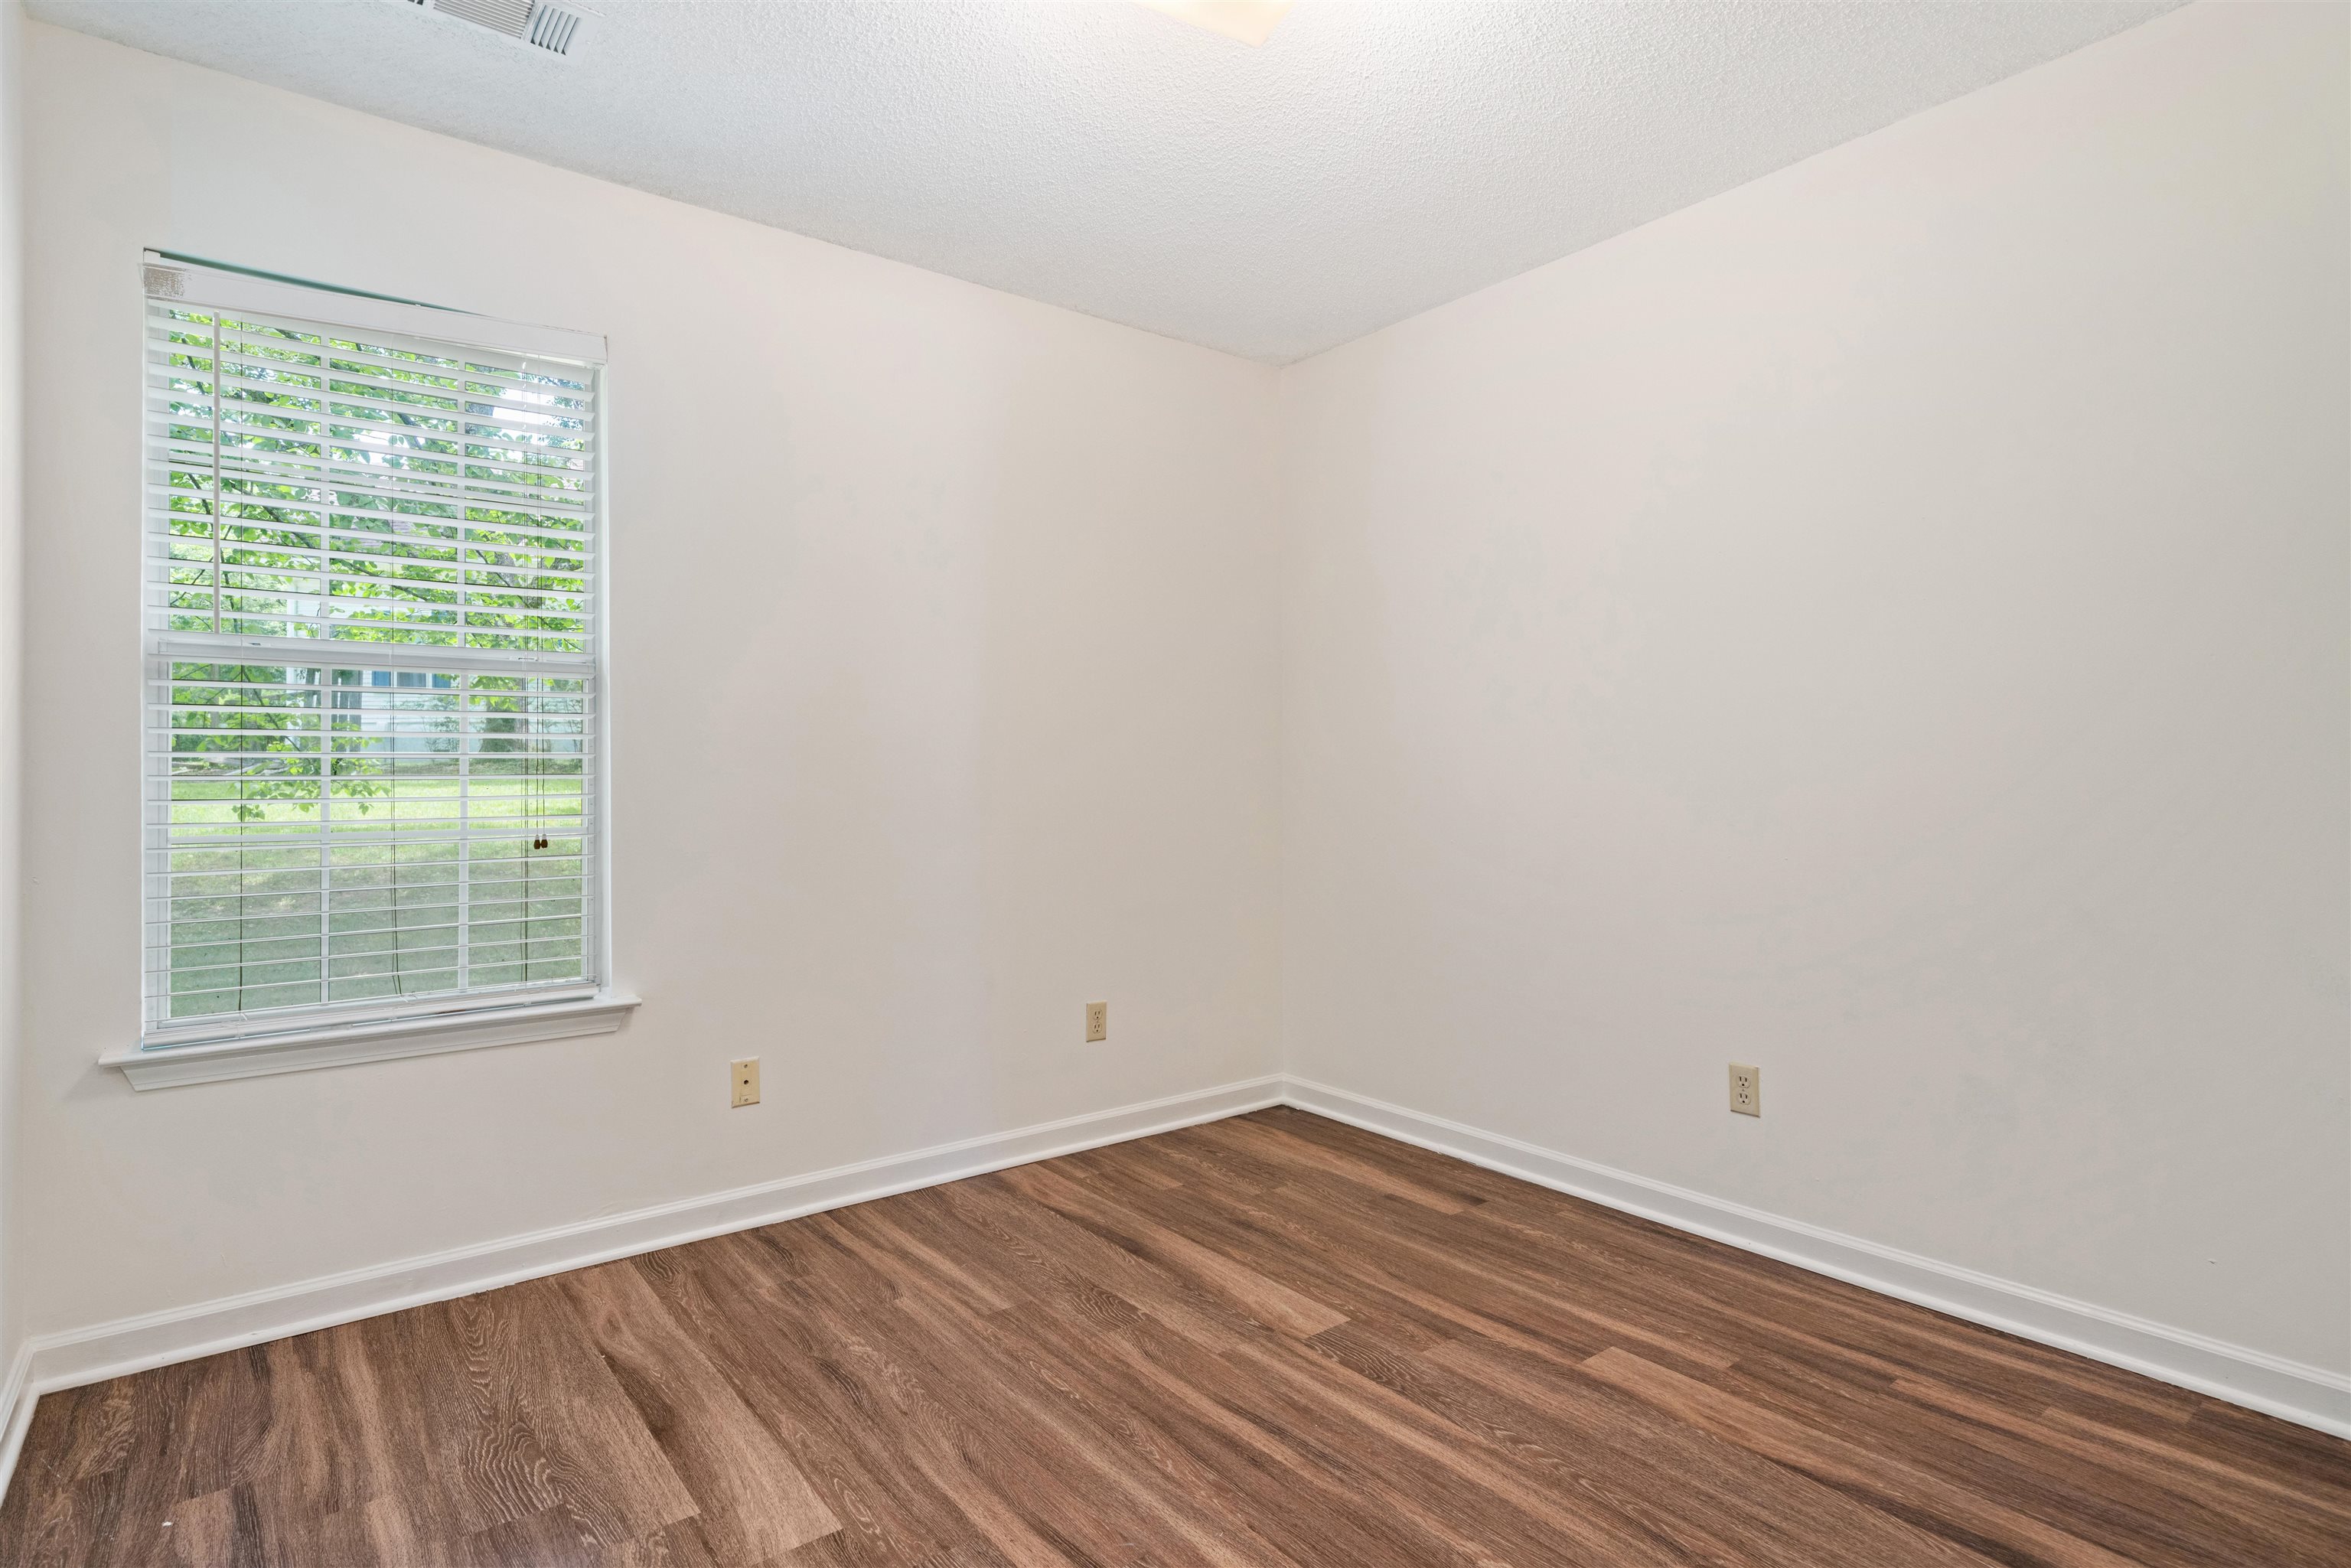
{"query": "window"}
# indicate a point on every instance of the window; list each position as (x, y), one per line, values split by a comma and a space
(373, 600)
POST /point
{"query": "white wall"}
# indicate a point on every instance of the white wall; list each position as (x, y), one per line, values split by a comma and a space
(944, 694)
(12, 41)
(1888, 624)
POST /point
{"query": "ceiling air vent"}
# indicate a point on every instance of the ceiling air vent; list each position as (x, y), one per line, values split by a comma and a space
(537, 23)
(553, 28)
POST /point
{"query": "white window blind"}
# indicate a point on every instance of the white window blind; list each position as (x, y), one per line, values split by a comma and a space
(373, 595)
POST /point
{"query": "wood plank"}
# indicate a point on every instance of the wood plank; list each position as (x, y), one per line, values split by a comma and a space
(1302, 1157)
(1272, 1343)
(1708, 1500)
(752, 1500)
(543, 1425)
(787, 1375)
(1901, 1489)
(1263, 1298)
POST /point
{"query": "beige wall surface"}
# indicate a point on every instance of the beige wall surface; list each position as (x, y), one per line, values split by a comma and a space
(1888, 624)
(12, 200)
(943, 667)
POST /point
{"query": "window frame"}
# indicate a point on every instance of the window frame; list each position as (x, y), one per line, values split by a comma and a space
(329, 1033)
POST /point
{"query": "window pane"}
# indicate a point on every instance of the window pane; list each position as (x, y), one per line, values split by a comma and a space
(339, 834)
(338, 817)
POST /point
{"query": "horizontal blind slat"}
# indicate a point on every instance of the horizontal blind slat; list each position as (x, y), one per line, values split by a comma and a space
(371, 721)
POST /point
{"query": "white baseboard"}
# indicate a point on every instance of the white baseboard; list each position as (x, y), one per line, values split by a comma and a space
(2308, 1396)
(52, 1362)
(16, 1412)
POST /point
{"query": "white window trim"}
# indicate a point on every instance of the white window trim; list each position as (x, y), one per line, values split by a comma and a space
(333, 1045)
(165, 1060)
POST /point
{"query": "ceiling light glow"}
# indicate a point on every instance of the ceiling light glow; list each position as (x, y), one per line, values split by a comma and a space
(1250, 21)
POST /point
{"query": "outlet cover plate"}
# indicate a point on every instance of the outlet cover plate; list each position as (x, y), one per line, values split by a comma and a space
(1745, 1090)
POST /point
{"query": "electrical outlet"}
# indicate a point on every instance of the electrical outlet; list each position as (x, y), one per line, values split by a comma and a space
(1097, 1022)
(745, 1076)
(1745, 1090)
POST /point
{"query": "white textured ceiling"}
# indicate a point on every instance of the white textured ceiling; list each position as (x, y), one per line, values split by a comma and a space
(1369, 161)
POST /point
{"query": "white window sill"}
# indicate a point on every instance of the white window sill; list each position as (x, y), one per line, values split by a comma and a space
(334, 1045)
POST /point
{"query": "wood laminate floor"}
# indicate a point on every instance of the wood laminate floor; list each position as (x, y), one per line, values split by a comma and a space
(1269, 1341)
